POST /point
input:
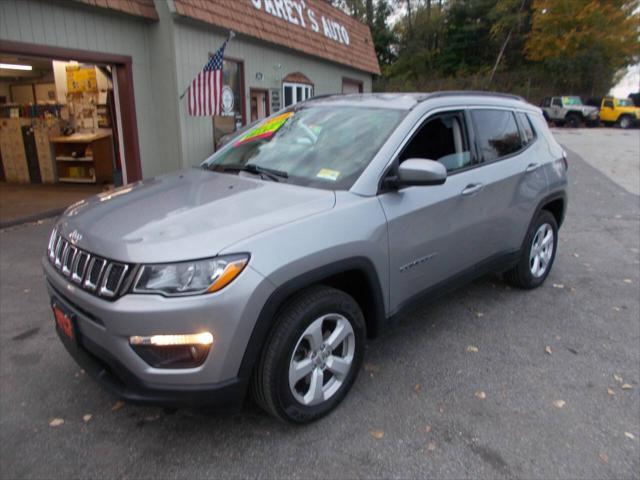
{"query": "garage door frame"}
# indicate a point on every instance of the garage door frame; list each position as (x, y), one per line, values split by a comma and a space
(124, 77)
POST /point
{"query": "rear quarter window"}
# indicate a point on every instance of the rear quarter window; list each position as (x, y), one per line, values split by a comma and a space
(497, 133)
(527, 129)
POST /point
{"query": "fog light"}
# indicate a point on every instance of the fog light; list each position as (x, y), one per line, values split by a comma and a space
(204, 338)
(173, 351)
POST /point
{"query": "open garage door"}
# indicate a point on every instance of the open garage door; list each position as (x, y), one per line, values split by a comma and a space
(67, 128)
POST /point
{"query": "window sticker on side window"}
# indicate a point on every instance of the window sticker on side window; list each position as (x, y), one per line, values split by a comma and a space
(328, 174)
(266, 130)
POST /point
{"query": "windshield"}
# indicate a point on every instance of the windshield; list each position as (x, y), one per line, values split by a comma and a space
(571, 101)
(317, 146)
(625, 102)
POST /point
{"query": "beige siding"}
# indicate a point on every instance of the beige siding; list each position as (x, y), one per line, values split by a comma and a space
(74, 26)
(193, 44)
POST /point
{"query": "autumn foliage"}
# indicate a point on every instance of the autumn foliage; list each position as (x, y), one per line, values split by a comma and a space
(584, 43)
(531, 47)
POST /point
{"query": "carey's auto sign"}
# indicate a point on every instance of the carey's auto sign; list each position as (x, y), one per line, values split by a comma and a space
(297, 13)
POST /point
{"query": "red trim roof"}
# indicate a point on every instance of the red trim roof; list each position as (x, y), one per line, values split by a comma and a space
(138, 8)
(242, 16)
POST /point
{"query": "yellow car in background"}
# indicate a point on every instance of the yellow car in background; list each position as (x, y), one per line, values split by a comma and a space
(619, 111)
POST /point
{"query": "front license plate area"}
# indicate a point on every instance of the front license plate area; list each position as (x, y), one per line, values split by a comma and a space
(65, 325)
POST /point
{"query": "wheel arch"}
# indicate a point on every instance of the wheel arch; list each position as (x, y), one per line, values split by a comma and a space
(355, 276)
(557, 207)
(556, 204)
(623, 115)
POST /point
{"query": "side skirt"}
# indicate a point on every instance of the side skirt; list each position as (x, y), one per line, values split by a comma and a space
(496, 264)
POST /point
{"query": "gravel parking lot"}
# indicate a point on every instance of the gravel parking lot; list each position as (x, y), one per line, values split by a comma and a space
(486, 382)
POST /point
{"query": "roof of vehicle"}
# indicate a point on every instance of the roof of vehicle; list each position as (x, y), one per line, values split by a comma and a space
(407, 101)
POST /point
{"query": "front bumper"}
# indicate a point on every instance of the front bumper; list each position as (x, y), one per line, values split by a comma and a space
(119, 380)
(104, 327)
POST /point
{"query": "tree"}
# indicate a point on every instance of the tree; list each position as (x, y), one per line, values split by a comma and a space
(468, 45)
(354, 8)
(383, 36)
(376, 16)
(368, 9)
(511, 21)
(583, 43)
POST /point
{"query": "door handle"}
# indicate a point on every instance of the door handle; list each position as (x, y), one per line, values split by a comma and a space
(532, 167)
(472, 188)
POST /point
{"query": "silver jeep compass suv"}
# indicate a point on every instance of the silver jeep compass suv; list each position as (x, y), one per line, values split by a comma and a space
(265, 269)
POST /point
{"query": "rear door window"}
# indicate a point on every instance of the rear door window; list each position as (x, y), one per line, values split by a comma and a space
(497, 133)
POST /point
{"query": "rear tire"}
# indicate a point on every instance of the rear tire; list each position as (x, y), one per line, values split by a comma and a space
(538, 253)
(625, 121)
(573, 120)
(311, 357)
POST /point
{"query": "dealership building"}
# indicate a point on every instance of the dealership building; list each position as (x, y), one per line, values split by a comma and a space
(89, 89)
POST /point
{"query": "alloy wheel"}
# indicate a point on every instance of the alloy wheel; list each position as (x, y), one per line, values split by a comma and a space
(541, 250)
(322, 359)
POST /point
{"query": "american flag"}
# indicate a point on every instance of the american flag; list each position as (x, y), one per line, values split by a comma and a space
(204, 92)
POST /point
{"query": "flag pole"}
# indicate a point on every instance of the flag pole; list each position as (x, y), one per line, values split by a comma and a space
(231, 35)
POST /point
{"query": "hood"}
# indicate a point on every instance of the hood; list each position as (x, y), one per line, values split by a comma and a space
(187, 215)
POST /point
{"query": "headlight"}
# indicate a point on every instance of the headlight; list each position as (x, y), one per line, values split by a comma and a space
(190, 278)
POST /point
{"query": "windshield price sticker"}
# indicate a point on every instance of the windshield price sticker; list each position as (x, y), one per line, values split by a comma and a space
(328, 174)
(266, 130)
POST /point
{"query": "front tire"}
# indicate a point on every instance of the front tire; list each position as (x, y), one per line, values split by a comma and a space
(538, 254)
(311, 357)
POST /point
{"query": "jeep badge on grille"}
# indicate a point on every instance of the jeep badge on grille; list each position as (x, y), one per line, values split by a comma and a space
(75, 236)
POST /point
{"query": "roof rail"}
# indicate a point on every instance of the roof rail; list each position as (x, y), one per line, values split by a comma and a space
(478, 93)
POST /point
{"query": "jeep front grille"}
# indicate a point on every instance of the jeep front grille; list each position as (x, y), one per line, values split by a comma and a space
(92, 273)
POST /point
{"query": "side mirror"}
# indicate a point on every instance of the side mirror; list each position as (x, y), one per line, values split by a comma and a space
(419, 171)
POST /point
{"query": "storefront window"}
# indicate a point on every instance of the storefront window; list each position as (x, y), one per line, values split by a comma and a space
(296, 92)
(232, 78)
